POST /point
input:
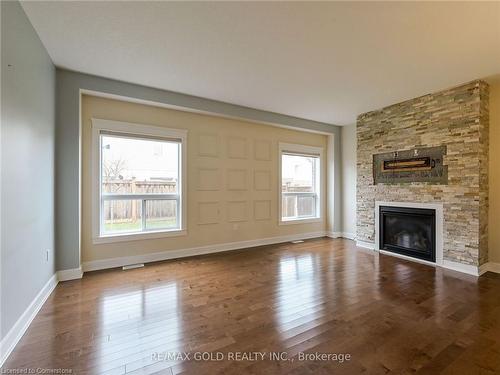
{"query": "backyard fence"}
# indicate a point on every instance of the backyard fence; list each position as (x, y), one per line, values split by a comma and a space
(130, 209)
(297, 201)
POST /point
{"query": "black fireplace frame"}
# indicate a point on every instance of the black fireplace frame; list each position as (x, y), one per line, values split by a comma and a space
(413, 253)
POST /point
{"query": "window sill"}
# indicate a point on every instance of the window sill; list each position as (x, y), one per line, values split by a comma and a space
(139, 236)
(301, 221)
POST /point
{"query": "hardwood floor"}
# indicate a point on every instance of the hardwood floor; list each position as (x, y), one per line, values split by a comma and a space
(327, 296)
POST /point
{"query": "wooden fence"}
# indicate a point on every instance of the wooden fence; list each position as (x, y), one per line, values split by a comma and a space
(130, 210)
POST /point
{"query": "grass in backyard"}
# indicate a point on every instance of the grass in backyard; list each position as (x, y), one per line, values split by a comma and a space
(135, 226)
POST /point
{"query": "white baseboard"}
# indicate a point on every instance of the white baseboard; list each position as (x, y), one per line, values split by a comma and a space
(333, 234)
(464, 268)
(483, 268)
(71, 274)
(490, 267)
(448, 264)
(366, 245)
(349, 236)
(17, 331)
(494, 267)
(95, 265)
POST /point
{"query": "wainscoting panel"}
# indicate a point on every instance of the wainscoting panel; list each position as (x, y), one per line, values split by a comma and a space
(208, 145)
(237, 211)
(237, 179)
(236, 148)
(262, 180)
(262, 150)
(223, 156)
(262, 210)
(208, 179)
(208, 213)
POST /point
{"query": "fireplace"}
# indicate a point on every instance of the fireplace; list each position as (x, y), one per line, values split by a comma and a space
(408, 231)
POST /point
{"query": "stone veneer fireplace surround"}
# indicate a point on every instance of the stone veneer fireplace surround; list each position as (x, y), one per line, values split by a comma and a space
(440, 262)
(458, 119)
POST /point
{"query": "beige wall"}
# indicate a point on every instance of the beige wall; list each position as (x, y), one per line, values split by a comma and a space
(494, 175)
(201, 128)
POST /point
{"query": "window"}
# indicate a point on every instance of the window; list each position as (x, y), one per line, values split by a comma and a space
(139, 190)
(300, 199)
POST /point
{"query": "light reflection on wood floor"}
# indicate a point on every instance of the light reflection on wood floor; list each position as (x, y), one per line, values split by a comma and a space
(390, 315)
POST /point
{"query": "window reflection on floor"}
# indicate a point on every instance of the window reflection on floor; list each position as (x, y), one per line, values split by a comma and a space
(297, 291)
(137, 324)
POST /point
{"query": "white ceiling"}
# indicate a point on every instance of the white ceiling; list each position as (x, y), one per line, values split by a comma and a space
(327, 62)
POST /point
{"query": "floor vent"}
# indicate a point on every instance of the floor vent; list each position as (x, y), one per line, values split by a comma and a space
(132, 266)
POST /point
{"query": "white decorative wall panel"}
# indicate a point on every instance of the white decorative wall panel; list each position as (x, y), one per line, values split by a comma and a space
(237, 211)
(208, 145)
(237, 148)
(262, 180)
(237, 179)
(262, 210)
(262, 150)
(208, 213)
(209, 179)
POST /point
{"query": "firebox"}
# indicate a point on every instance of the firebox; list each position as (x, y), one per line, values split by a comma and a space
(408, 231)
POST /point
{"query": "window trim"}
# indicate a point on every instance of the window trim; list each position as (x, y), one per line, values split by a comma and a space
(302, 150)
(135, 130)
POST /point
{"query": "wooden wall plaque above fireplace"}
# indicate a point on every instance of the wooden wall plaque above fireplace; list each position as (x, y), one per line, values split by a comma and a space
(417, 165)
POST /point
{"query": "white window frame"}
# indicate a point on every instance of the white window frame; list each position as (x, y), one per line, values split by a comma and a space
(302, 150)
(136, 130)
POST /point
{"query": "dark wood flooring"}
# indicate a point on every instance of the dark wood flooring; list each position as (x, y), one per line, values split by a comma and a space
(389, 315)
